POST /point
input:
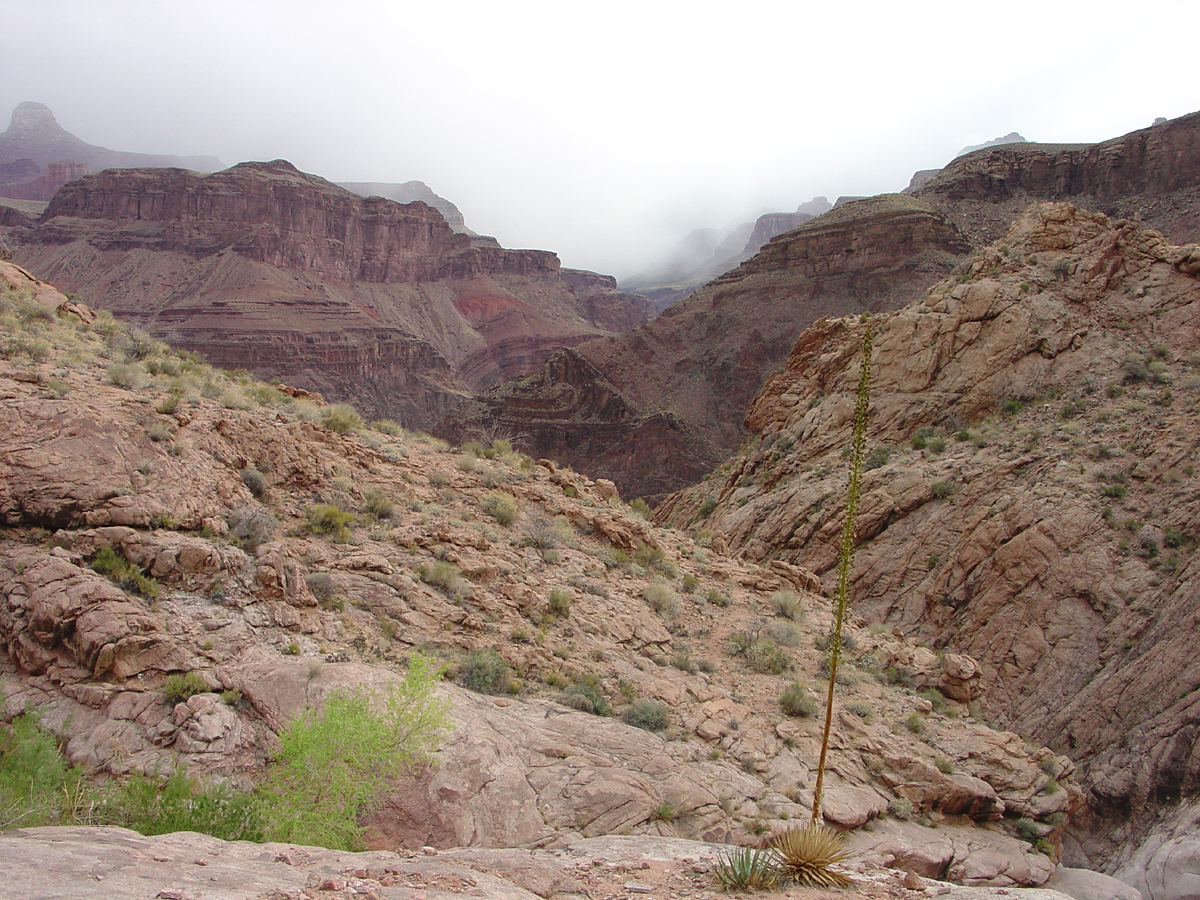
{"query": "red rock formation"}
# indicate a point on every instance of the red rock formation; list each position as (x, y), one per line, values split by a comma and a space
(659, 406)
(1030, 495)
(262, 267)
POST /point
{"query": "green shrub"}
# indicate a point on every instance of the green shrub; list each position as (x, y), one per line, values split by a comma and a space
(254, 480)
(335, 762)
(587, 695)
(501, 507)
(1116, 491)
(1028, 830)
(378, 504)
(914, 722)
(341, 417)
(788, 604)
(387, 426)
(716, 598)
(150, 806)
(943, 489)
(640, 508)
(34, 779)
(945, 764)
(485, 672)
(321, 585)
(324, 518)
(861, 709)
(796, 700)
(690, 583)
(178, 687)
(560, 603)
(707, 506)
(900, 807)
(876, 458)
(648, 715)
(252, 526)
(124, 574)
(443, 575)
(130, 376)
(662, 599)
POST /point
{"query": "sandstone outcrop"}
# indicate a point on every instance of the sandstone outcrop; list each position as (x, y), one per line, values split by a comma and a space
(1028, 497)
(676, 389)
(215, 503)
(264, 268)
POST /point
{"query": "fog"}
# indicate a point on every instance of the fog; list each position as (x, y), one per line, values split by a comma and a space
(605, 132)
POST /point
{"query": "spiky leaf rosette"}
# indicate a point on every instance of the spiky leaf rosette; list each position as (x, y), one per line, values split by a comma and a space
(748, 869)
(805, 855)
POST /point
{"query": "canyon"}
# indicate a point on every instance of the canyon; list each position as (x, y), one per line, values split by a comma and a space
(1029, 497)
(688, 375)
(264, 268)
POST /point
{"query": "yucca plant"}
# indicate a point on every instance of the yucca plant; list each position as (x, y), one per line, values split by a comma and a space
(748, 869)
(805, 855)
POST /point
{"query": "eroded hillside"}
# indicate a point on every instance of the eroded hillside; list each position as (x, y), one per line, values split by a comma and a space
(268, 269)
(284, 550)
(1030, 495)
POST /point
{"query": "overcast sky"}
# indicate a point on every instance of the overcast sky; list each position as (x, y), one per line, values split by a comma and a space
(607, 130)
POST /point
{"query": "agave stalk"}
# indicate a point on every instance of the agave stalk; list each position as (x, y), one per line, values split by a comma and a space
(846, 552)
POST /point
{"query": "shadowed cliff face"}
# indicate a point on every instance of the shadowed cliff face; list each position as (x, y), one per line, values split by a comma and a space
(1152, 175)
(1030, 493)
(675, 390)
(265, 268)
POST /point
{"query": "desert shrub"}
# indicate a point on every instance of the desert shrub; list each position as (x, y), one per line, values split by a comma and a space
(485, 672)
(796, 700)
(861, 709)
(788, 604)
(945, 764)
(640, 508)
(335, 762)
(1027, 830)
(747, 869)
(653, 558)
(1172, 537)
(124, 574)
(560, 603)
(321, 585)
(914, 722)
(900, 807)
(341, 417)
(178, 687)
(127, 375)
(501, 507)
(378, 504)
(764, 655)
(784, 633)
(690, 583)
(252, 526)
(662, 599)
(876, 458)
(325, 518)
(1116, 491)
(587, 695)
(254, 480)
(943, 489)
(542, 532)
(805, 855)
(707, 506)
(387, 426)
(443, 575)
(716, 598)
(648, 715)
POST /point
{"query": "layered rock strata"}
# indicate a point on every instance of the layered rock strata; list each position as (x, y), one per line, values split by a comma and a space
(1029, 494)
(676, 389)
(264, 268)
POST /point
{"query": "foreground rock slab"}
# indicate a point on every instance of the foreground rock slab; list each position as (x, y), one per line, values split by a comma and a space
(117, 864)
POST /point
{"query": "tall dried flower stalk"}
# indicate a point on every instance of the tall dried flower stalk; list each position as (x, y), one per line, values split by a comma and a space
(846, 551)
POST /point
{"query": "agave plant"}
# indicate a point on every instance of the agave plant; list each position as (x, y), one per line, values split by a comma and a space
(805, 855)
(748, 869)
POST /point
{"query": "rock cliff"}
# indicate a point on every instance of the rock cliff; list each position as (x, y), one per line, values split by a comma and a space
(1029, 494)
(675, 390)
(208, 483)
(265, 268)
(1151, 175)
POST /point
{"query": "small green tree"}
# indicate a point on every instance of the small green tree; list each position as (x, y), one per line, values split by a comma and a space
(335, 762)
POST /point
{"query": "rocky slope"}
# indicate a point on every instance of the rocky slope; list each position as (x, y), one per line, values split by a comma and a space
(34, 140)
(1030, 494)
(208, 483)
(264, 268)
(675, 390)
